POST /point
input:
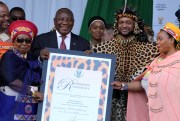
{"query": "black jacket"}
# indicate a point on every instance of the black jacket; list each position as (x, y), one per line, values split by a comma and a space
(49, 40)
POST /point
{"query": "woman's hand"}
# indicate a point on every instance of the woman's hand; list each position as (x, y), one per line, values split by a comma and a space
(117, 85)
(38, 96)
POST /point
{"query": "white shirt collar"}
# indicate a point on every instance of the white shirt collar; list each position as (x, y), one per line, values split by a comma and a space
(67, 40)
(59, 35)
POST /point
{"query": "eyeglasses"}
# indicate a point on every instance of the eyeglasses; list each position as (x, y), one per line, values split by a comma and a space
(16, 18)
(21, 40)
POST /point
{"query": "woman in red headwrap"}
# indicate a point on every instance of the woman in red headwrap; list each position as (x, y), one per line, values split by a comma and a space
(20, 75)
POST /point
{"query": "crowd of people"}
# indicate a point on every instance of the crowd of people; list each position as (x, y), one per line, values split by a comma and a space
(146, 78)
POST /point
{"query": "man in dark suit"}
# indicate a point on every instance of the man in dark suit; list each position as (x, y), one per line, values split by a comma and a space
(64, 22)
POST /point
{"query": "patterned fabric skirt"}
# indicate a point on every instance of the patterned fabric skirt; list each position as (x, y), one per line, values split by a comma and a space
(18, 108)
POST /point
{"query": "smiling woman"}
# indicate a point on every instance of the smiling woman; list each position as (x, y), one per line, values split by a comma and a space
(22, 36)
(96, 28)
(22, 43)
(20, 75)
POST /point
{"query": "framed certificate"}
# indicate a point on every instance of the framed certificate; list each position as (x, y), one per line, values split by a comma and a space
(76, 86)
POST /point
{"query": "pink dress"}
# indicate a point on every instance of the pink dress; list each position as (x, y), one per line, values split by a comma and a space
(163, 89)
(163, 93)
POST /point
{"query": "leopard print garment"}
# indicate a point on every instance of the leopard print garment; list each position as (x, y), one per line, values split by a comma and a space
(132, 57)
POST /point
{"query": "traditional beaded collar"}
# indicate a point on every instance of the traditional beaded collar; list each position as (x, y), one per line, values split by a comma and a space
(121, 41)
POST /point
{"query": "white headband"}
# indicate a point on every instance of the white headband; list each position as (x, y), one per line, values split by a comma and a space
(95, 21)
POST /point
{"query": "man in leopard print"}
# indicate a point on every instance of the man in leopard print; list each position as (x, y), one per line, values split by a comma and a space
(133, 52)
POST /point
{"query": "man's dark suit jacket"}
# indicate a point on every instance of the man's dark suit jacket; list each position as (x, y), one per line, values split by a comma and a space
(49, 40)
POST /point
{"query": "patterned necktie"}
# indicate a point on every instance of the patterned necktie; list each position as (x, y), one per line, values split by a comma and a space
(63, 45)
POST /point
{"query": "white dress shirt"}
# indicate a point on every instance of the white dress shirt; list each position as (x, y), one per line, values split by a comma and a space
(67, 40)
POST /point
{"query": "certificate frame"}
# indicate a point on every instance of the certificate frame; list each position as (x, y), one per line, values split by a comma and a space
(104, 63)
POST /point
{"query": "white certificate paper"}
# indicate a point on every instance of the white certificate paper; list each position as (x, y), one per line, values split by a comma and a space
(75, 96)
(76, 86)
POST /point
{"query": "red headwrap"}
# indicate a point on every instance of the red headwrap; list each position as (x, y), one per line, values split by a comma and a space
(22, 27)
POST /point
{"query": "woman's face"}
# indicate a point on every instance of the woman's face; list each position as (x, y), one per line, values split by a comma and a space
(97, 29)
(22, 43)
(164, 42)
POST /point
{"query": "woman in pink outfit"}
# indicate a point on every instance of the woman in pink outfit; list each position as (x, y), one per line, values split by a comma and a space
(161, 82)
